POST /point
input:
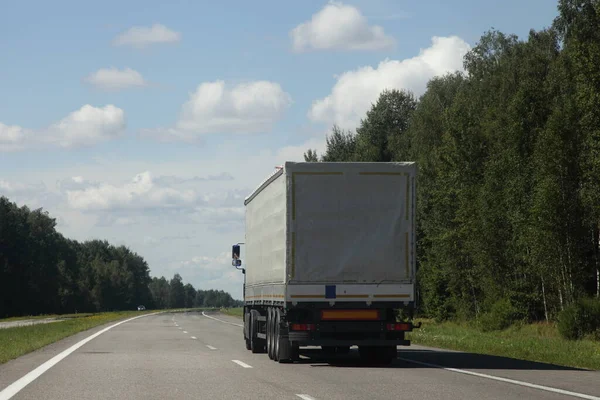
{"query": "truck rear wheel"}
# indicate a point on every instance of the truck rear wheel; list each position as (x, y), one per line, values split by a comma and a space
(270, 333)
(257, 345)
(276, 334)
(246, 329)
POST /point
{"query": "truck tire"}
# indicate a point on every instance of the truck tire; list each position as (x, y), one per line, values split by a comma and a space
(270, 332)
(256, 344)
(247, 339)
(276, 334)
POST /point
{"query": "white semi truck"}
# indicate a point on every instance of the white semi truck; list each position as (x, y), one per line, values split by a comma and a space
(330, 259)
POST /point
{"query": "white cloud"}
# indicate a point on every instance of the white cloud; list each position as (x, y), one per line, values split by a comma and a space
(155, 200)
(150, 241)
(141, 37)
(355, 91)
(208, 263)
(87, 126)
(339, 27)
(153, 241)
(80, 183)
(74, 183)
(214, 108)
(19, 188)
(170, 180)
(229, 198)
(84, 127)
(31, 194)
(220, 214)
(12, 137)
(141, 192)
(68, 221)
(124, 221)
(115, 79)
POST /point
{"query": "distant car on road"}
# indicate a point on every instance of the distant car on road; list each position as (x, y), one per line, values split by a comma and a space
(141, 308)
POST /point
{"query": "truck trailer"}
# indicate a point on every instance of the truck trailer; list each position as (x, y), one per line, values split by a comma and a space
(330, 259)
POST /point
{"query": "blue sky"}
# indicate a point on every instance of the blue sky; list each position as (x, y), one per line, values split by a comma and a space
(122, 167)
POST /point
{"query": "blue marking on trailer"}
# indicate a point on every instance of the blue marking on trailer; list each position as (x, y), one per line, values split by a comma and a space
(330, 292)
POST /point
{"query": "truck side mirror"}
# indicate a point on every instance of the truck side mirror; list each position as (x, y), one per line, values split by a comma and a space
(235, 252)
(236, 263)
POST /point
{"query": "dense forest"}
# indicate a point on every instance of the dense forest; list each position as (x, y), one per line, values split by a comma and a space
(42, 272)
(508, 158)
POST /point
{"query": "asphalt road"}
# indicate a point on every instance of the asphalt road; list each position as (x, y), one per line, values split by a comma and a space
(190, 356)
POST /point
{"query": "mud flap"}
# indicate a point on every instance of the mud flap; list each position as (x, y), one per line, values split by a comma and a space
(285, 350)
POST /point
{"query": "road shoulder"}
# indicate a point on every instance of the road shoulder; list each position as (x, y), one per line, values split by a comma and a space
(14, 369)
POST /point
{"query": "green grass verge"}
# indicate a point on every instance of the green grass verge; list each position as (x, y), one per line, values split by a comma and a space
(44, 316)
(234, 312)
(539, 342)
(532, 342)
(17, 341)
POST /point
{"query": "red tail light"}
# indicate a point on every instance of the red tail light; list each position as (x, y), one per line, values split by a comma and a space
(398, 327)
(302, 327)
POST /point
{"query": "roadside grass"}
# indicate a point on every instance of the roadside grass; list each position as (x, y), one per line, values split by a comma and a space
(44, 316)
(234, 312)
(17, 341)
(538, 342)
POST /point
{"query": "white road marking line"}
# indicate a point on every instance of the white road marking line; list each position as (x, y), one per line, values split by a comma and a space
(238, 362)
(305, 397)
(210, 347)
(497, 378)
(194, 337)
(18, 385)
(220, 320)
(531, 385)
(180, 328)
(184, 331)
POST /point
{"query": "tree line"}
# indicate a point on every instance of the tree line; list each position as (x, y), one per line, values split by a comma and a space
(174, 294)
(508, 158)
(42, 272)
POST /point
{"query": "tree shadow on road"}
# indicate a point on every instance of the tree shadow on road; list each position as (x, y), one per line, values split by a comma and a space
(431, 359)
